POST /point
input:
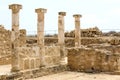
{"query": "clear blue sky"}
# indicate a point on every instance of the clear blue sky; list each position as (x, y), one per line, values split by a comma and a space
(102, 13)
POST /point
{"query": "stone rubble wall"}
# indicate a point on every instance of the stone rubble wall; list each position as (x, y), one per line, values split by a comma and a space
(5, 41)
(91, 60)
(115, 49)
(31, 58)
(115, 41)
(52, 55)
(28, 57)
(90, 32)
(5, 46)
(5, 60)
(22, 37)
(84, 41)
(69, 42)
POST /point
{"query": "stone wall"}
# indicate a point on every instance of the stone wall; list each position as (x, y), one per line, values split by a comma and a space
(52, 55)
(84, 41)
(5, 41)
(5, 46)
(92, 60)
(28, 57)
(69, 42)
(90, 32)
(22, 37)
(32, 58)
(113, 48)
(5, 60)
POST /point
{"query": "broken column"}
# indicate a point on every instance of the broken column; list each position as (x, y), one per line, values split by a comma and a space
(14, 36)
(77, 30)
(40, 33)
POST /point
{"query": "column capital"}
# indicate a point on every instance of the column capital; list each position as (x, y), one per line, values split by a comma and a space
(40, 10)
(15, 7)
(77, 15)
(62, 13)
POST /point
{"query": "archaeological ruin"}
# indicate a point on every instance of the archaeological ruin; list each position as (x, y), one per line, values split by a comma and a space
(82, 50)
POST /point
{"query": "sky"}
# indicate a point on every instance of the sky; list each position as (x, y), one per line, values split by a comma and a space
(105, 14)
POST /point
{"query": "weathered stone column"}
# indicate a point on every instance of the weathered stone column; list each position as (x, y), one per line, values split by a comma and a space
(40, 26)
(14, 35)
(61, 37)
(77, 30)
(61, 28)
(40, 33)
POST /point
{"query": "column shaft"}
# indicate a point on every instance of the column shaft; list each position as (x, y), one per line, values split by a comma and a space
(40, 29)
(61, 28)
(14, 36)
(77, 30)
(40, 33)
(61, 37)
(40, 26)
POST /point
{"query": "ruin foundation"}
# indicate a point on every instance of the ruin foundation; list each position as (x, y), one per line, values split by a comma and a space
(93, 60)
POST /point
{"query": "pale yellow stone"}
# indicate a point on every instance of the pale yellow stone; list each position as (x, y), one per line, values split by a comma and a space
(77, 30)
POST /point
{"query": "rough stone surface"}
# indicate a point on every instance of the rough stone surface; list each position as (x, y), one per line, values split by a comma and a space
(115, 49)
(52, 55)
(5, 46)
(29, 57)
(22, 37)
(91, 60)
(90, 32)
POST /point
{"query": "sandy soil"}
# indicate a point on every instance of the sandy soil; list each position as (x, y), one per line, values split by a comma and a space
(67, 75)
(78, 76)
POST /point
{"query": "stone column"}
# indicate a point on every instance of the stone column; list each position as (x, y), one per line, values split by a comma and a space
(61, 28)
(77, 30)
(40, 26)
(14, 35)
(40, 33)
(61, 37)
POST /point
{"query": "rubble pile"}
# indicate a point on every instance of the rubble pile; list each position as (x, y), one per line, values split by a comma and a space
(90, 32)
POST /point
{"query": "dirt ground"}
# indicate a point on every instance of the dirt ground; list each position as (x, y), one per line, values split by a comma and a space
(78, 76)
(67, 75)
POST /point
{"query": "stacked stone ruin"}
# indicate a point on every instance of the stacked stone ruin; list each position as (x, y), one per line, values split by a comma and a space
(5, 46)
(38, 60)
(33, 57)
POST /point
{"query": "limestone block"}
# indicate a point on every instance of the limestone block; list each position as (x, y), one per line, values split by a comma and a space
(38, 62)
(32, 63)
(26, 64)
(21, 64)
(22, 37)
